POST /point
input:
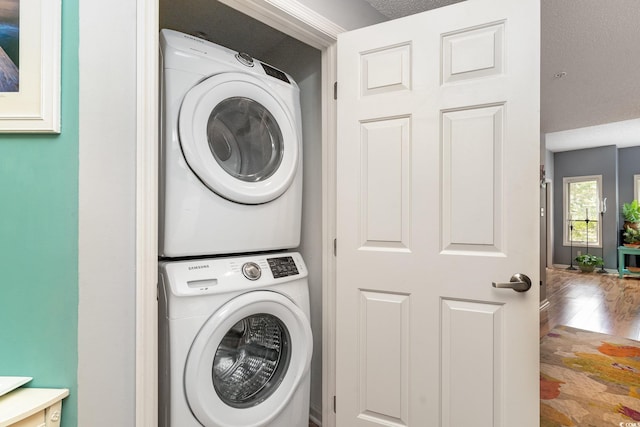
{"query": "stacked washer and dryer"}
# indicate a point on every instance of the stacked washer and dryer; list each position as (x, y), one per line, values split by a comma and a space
(235, 341)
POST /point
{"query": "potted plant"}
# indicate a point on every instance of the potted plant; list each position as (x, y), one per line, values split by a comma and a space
(588, 262)
(631, 214)
(631, 237)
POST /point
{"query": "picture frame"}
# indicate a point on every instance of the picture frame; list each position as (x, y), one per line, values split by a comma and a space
(34, 105)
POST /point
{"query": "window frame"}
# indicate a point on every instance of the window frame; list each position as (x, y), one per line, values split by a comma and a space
(566, 181)
(636, 187)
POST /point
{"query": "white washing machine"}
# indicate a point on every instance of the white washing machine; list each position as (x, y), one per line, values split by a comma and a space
(235, 342)
(231, 152)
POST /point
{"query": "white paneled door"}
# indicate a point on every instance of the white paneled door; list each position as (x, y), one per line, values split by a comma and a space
(438, 154)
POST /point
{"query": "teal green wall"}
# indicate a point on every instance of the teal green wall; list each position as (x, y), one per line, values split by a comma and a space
(39, 243)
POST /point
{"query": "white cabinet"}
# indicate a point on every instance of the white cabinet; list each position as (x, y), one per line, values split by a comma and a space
(32, 407)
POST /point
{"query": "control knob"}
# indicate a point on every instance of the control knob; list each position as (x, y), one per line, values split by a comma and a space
(251, 270)
(245, 59)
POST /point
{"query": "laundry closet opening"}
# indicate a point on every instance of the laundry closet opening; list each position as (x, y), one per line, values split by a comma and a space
(230, 28)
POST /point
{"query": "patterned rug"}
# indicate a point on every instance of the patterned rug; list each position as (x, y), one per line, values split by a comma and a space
(588, 379)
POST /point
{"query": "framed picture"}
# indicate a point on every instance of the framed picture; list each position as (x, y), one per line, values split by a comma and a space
(30, 66)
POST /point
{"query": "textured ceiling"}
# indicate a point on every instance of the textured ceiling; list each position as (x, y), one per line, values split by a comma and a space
(597, 43)
(398, 8)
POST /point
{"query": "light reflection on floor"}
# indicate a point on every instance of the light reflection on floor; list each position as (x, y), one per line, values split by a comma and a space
(595, 302)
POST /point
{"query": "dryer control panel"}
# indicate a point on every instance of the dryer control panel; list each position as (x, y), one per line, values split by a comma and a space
(282, 267)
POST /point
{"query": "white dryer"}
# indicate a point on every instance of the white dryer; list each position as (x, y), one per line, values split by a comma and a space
(235, 342)
(231, 152)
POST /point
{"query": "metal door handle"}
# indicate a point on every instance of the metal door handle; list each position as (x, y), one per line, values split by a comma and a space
(519, 283)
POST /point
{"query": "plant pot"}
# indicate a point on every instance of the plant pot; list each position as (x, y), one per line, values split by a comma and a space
(631, 245)
(586, 268)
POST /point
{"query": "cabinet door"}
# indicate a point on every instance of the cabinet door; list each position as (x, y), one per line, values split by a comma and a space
(35, 420)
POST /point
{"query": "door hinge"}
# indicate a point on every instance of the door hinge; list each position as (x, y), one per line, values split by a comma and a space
(335, 90)
(334, 405)
(335, 247)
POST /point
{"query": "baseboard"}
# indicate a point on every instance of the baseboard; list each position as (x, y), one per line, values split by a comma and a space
(566, 266)
(315, 416)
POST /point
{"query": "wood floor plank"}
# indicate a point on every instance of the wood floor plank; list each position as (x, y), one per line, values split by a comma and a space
(595, 302)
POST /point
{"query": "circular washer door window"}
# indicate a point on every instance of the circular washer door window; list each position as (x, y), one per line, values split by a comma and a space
(248, 360)
(239, 138)
(251, 360)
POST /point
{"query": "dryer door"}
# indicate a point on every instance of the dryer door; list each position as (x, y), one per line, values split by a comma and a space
(248, 360)
(239, 138)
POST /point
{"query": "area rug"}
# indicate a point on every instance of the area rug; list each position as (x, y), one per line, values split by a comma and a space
(588, 379)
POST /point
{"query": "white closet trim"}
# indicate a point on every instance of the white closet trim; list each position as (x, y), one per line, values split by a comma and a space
(291, 18)
(147, 100)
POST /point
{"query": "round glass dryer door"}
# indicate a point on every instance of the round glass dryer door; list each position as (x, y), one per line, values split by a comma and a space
(247, 360)
(245, 139)
(239, 138)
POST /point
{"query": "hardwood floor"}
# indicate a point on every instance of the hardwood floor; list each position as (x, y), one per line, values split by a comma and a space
(596, 302)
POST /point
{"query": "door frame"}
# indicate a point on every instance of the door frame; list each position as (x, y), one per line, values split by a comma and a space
(303, 24)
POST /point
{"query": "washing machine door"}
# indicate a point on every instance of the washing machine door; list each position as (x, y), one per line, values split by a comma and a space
(248, 360)
(239, 138)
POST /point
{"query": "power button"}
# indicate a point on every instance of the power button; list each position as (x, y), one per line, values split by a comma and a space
(251, 270)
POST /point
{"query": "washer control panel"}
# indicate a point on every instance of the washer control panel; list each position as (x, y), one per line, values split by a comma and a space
(219, 275)
(282, 267)
(275, 73)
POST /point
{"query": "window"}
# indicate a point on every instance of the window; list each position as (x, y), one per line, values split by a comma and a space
(636, 186)
(582, 205)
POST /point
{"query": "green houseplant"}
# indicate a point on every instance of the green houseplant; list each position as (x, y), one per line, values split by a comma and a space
(631, 236)
(631, 214)
(588, 262)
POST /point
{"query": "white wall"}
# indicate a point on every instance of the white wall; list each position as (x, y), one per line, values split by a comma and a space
(106, 317)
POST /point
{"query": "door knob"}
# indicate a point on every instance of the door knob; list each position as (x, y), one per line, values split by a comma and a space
(519, 283)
